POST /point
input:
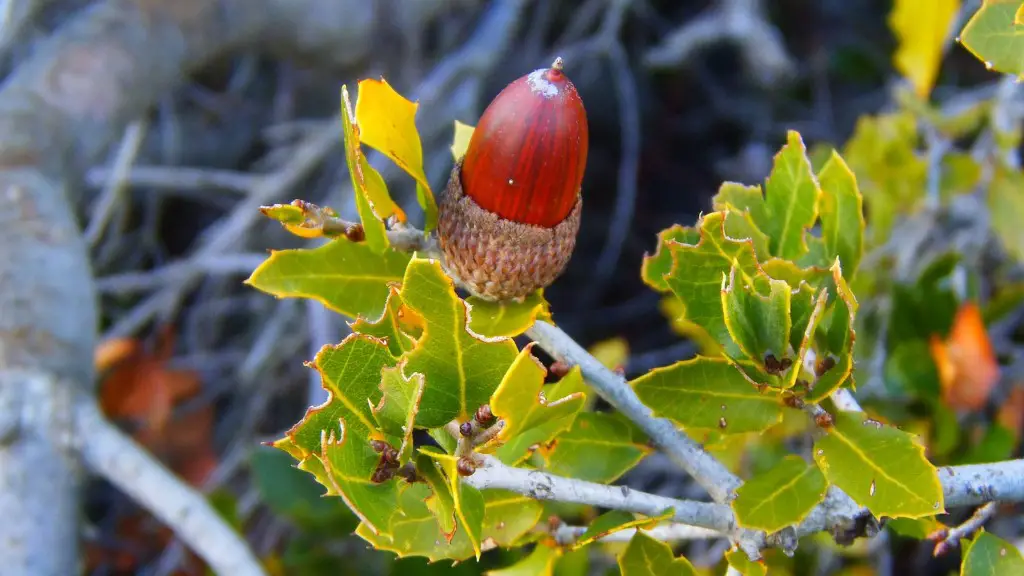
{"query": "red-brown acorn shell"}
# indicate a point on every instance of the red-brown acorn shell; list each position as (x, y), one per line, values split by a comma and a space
(526, 158)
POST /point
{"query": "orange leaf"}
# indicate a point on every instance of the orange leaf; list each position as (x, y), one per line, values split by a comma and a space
(112, 352)
(966, 363)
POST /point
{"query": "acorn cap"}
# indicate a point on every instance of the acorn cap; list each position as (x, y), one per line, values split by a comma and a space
(496, 258)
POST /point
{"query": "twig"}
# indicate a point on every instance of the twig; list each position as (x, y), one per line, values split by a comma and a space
(684, 452)
(114, 186)
(845, 402)
(492, 473)
(566, 534)
(225, 264)
(177, 178)
(118, 459)
(950, 539)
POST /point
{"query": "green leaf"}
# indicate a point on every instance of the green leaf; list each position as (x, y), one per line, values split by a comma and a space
(995, 37)
(369, 187)
(561, 396)
(758, 324)
(808, 323)
(540, 562)
(780, 497)
(507, 317)
(839, 339)
(351, 373)
(346, 277)
(390, 326)
(387, 123)
(842, 216)
(462, 369)
(708, 393)
(616, 521)
(350, 462)
(440, 503)
(880, 467)
(699, 270)
(645, 556)
(469, 502)
(396, 411)
(739, 560)
(293, 494)
(917, 528)
(597, 448)
(656, 266)
(518, 401)
(990, 555)
(791, 200)
(1006, 207)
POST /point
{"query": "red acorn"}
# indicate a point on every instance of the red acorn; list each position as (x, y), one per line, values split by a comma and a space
(510, 213)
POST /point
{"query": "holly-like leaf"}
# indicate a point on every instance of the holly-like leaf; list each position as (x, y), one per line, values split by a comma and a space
(396, 411)
(996, 37)
(616, 521)
(842, 215)
(347, 277)
(351, 373)
(540, 562)
(780, 497)
(350, 463)
(597, 448)
(519, 446)
(791, 199)
(742, 563)
(839, 339)
(708, 393)
(507, 318)
(440, 503)
(462, 369)
(373, 202)
(990, 555)
(460, 140)
(759, 325)
(392, 326)
(468, 501)
(880, 467)
(518, 401)
(921, 28)
(387, 123)
(656, 266)
(646, 555)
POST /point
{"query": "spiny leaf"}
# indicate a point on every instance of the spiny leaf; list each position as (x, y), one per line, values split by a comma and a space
(597, 448)
(392, 326)
(839, 339)
(921, 27)
(462, 369)
(460, 140)
(757, 324)
(440, 503)
(807, 339)
(540, 562)
(742, 563)
(880, 467)
(350, 463)
(780, 497)
(507, 318)
(842, 217)
(519, 446)
(351, 374)
(373, 202)
(616, 521)
(347, 277)
(791, 199)
(508, 516)
(994, 36)
(646, 555)
(990, 555)
(396, 411)
(518, 401)
(387, 123)
(708, 393)
(469, 503)
(656, 266)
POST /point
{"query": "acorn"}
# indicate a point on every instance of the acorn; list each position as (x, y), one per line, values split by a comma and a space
(509, 215)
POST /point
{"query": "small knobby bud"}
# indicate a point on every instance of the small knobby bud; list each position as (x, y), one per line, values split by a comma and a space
(378, 445)
(466, 429)
(773, 365)
(559, 369)
(355, 233)
(390, 455)
(792, 400)
(484, 416)
(824, 420)
(465, 466)
(408, 472)
(824, 365)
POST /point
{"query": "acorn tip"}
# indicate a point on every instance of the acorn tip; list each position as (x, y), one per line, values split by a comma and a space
(557, 64)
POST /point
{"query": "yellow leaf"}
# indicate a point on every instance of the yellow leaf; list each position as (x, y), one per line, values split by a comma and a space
(463, 132)
(613, 353)
(387, 123)
(921, 27)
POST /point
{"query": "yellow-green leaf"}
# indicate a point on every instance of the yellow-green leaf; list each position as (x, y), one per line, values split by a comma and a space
(540, 562)
(990, 555)
(350, 462)
(791, 200)
(842, 216)
(742, 563)
(347, 277)
(396, 411)
(440, 502)
(921, 28)
(387, 123)
(597, 448)
(616, 521)
(839, 339)
(518, 401)
(462, 369)
(460, 141)
(373, 202)
(507, 317)
(519, 447)
(882, 468)
(996, 37)
(758, 324)
(708, 393)
(646, 556)
(656, 266)
(469, 502)
(780, 497)
(389, 327)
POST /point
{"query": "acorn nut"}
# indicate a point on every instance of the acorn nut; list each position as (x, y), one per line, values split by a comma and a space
(509, 215)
